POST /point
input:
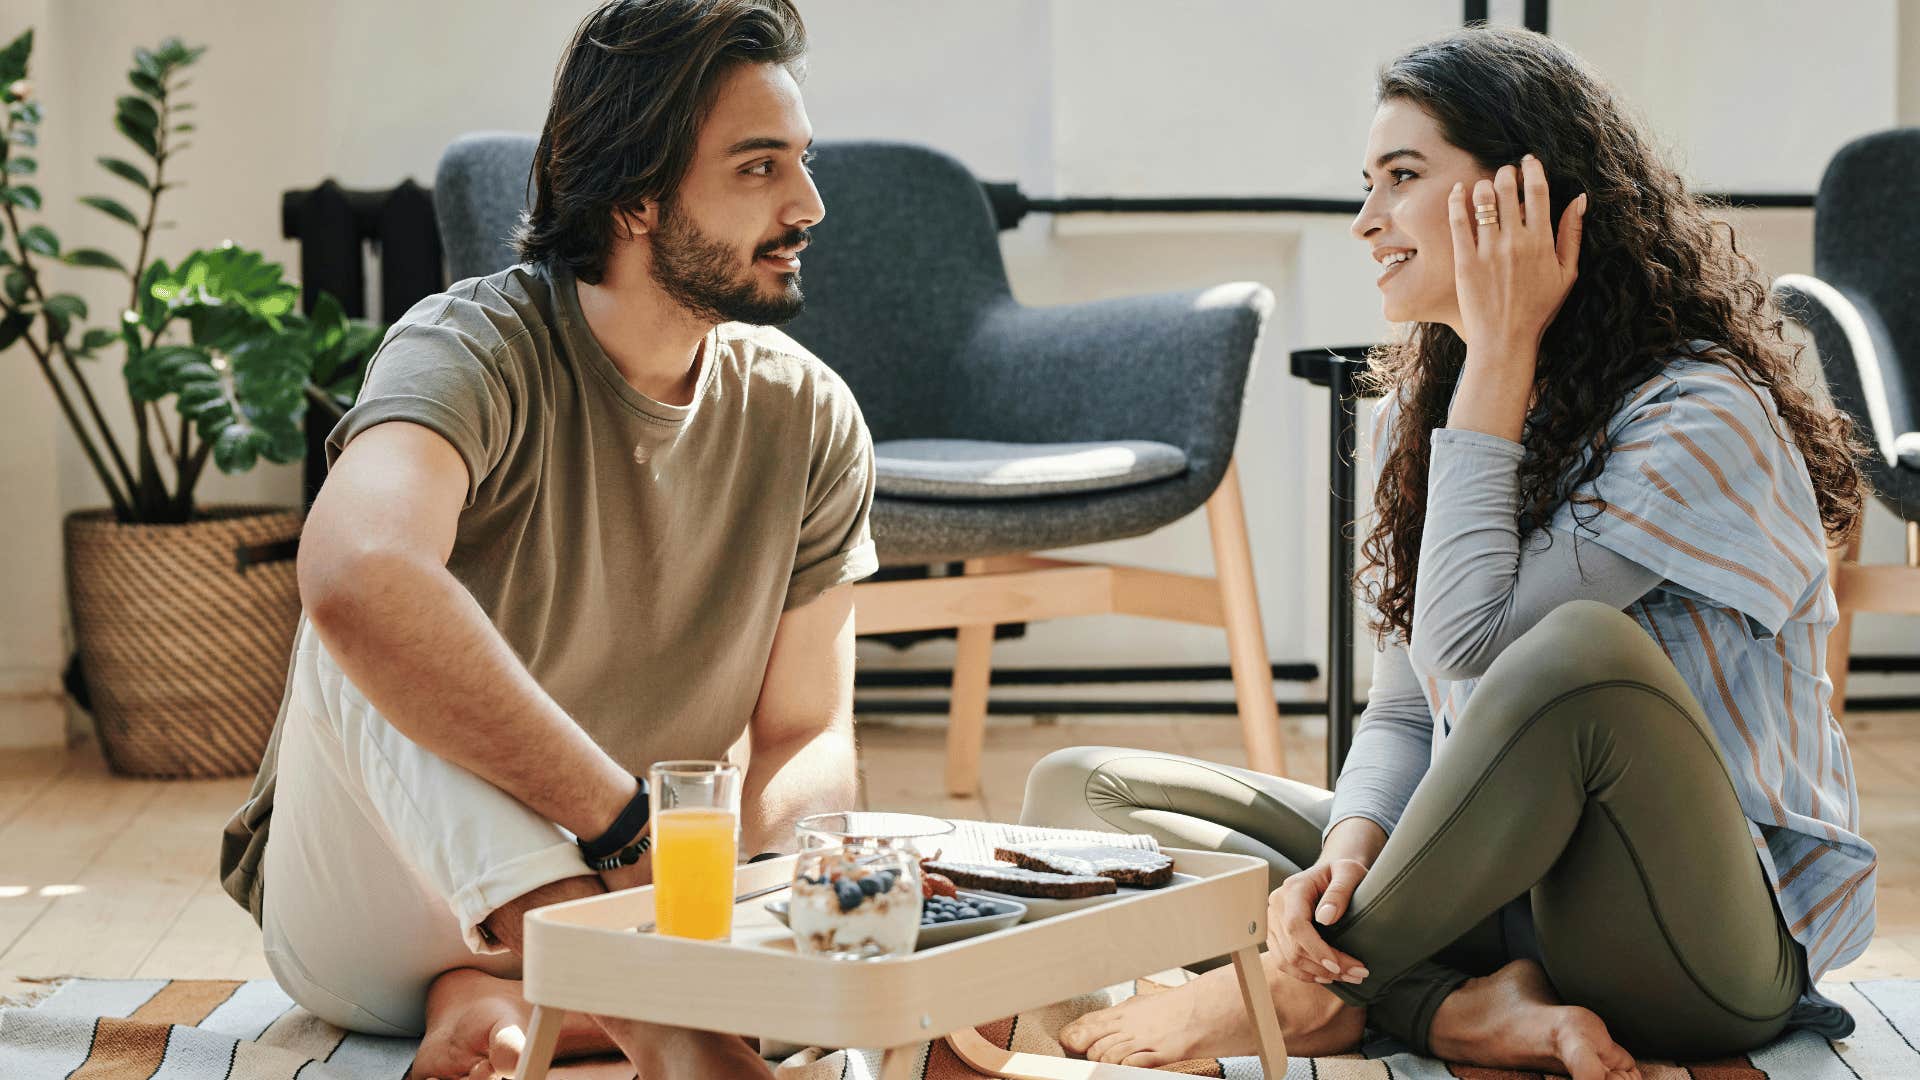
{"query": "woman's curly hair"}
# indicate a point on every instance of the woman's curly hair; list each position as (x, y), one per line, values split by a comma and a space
(1656, 273)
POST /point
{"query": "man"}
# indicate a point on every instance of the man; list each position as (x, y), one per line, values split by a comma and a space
(581, 519)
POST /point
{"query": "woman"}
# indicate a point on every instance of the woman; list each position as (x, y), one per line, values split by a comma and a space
(1597, 805)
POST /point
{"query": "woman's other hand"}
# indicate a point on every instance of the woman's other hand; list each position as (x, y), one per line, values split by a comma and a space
(1314, 897)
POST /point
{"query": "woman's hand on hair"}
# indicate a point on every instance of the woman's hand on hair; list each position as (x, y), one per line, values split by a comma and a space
(1318, 894)
(1513, 275)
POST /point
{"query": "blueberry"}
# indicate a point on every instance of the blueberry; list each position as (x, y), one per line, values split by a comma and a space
(886, 880)
(943, 916)
(870, 886)
(968, 911)
(849, 894)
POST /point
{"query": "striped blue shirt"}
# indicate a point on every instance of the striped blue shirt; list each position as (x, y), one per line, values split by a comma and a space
(1704, 487)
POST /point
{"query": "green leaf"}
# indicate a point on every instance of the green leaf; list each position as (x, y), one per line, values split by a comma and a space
(183, 106)
(137, 111)
(126, 171)
(147, 64)
(14, 325)
(233, 450)
(96, 339)
(152, 373)
(141, 137)
(21, 166)
(22, 195)
(61, 311)
(67, 304)
(111, 208)
(5, 259)
(154, 312)
(94, 257)
(181, 129)
(31, 113)
(149, 85)
(40, 240)
(222, 289)
(16, 286)
(13, 58)
(25, 137)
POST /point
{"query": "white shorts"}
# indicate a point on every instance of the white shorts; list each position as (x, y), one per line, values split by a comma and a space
(383, 859)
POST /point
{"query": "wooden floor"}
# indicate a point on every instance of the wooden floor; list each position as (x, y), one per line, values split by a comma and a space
(106, 877)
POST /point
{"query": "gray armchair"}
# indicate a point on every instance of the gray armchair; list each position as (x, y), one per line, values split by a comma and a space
(1862, 308)
(1000, 430)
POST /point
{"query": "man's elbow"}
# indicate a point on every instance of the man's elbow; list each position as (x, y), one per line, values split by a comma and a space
(337, 583)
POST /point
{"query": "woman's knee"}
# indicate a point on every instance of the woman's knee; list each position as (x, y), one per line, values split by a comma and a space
(1057, 788)
(1580, 647)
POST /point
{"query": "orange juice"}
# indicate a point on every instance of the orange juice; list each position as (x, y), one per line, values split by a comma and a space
(693, 859)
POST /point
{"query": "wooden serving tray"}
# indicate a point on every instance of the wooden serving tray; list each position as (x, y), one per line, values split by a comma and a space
(584, 955)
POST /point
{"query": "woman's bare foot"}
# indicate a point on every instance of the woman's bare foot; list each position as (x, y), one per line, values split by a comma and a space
(1206, 1018)
(1511, 1018)
(471, 1014)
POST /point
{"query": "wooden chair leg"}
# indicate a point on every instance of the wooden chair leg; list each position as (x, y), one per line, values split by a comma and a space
(543, 1034)
(1246, 641)
(967, 710)
(1840, 641)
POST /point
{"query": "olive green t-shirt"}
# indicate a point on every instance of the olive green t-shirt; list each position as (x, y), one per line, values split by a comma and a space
(636, 555)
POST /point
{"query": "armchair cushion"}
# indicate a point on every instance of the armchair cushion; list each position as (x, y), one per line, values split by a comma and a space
(971, 469)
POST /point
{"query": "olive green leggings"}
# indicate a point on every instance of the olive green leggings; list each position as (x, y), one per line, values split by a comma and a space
(1581, 781)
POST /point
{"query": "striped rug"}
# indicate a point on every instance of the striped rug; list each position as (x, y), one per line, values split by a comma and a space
(155, 1029)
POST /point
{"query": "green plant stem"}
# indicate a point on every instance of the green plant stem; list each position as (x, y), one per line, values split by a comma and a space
(183, 500)
(86, 392)
(160, 425)
(149, 469)
(53, 343)
(122, 510)
(325, 400)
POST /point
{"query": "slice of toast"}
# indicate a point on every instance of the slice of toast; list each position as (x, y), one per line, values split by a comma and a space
(1016, 881)
(1134, 867)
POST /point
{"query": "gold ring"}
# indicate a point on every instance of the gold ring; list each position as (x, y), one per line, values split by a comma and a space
(1486, 215)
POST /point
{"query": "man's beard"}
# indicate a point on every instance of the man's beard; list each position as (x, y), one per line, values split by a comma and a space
(700, 274)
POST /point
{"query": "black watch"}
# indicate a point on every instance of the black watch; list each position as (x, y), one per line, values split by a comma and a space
(626, 839)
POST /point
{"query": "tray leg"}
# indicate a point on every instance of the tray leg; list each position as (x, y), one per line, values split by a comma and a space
(1259, 1002)
(899, 1063)
(985, 1057)
(543, 1033)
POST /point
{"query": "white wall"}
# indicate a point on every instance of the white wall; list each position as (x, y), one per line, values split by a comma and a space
(1065, 96)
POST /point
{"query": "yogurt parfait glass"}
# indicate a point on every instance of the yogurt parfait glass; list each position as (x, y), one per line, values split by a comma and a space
(856, 882)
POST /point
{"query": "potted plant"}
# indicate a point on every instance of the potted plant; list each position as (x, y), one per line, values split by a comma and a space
(183, 614)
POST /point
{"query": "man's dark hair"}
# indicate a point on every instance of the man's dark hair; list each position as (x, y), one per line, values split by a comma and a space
(636, 80)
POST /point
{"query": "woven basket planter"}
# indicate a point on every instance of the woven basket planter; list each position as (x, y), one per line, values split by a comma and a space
(184, 634)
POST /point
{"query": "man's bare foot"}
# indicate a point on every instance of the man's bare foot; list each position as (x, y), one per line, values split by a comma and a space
(469, 1011)
(1511, 1018)
(1206, 1018)
(667, 1053)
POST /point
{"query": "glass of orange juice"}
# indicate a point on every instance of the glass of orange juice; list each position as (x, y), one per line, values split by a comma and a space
(696, 838)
